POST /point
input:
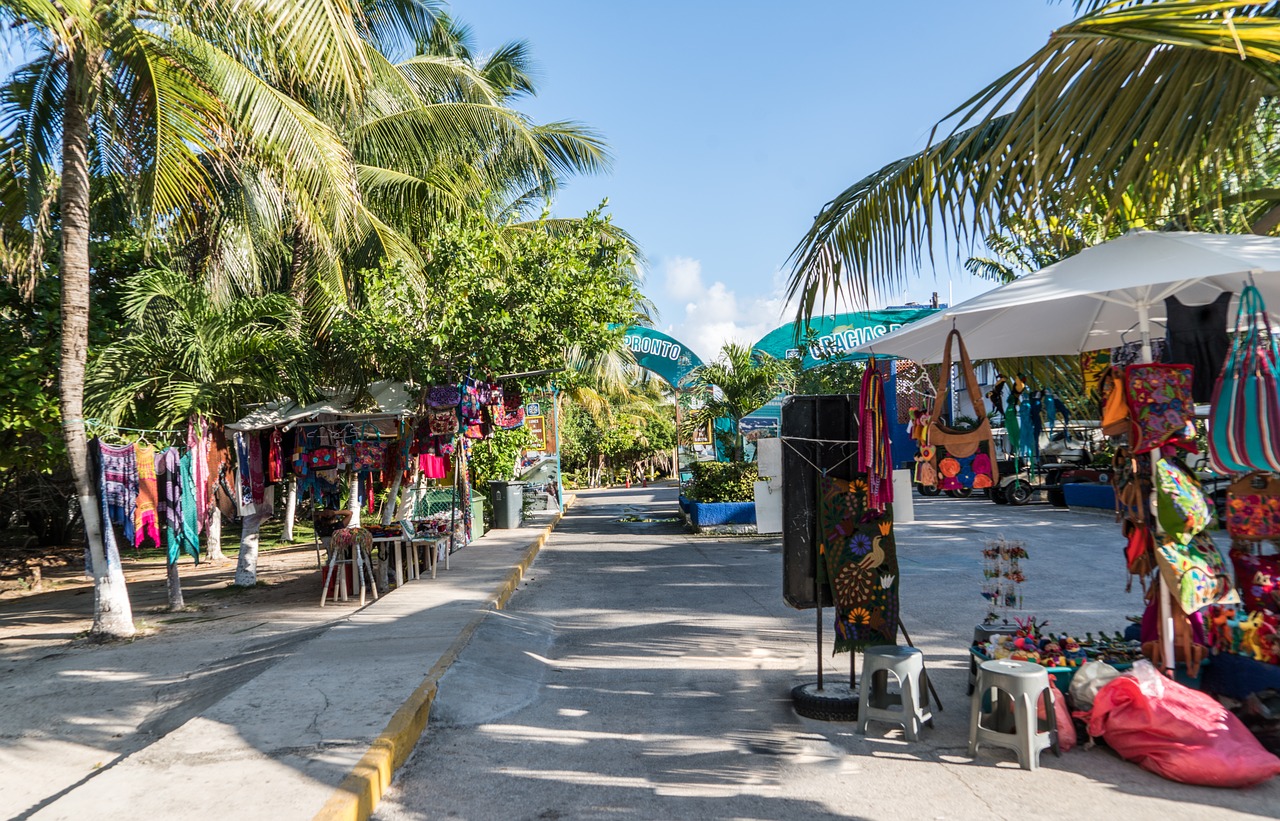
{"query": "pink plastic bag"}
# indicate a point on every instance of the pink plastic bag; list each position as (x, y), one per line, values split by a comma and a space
(1066, 728)
(1176, 732)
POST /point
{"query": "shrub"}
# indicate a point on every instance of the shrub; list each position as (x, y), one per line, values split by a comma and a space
(722, 482)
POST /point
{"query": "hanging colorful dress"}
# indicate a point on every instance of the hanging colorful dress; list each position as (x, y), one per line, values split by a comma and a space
(861, 563)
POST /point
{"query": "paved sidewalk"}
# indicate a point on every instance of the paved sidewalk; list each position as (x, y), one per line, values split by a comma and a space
(310, 725)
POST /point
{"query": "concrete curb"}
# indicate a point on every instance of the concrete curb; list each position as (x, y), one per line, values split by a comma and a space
(358, 795)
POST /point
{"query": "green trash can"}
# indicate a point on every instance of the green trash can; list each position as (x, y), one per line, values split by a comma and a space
(508, 503)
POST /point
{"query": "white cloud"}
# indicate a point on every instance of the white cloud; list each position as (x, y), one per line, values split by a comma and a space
(682, 277)
(714, 314)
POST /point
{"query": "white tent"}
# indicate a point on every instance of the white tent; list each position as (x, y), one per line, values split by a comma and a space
(1100, 298)
(390, 401)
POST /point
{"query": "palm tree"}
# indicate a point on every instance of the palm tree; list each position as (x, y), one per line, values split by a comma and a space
(1163, 102)
(149, 89)
(186, 353)
(740, 381)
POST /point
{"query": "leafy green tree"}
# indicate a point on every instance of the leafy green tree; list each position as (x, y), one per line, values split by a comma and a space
(740, 381)
(490, 302)
(1160, 105)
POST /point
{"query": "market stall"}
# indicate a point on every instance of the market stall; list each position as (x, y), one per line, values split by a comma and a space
(411, 450)
(1200, 289)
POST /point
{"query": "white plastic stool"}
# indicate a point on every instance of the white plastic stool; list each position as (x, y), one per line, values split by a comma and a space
(908, 708)
(1004, 710)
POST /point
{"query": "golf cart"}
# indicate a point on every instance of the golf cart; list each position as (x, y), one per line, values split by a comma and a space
(1064, 459)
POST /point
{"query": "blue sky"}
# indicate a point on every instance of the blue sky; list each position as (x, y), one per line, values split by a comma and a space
(733, 123)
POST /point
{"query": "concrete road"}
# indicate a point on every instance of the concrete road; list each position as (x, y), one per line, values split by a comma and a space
(645, 673)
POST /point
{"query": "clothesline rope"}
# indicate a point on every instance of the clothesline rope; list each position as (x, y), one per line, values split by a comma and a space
(806, 459)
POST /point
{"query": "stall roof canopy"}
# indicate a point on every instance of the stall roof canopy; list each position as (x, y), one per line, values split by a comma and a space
(1095, 299)
(389, 399)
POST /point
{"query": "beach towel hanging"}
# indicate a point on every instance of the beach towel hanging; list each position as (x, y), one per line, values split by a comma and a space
(1244, 414)
(963, 457)
(861, 562)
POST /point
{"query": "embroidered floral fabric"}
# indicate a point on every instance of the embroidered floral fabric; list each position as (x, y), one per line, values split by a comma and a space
(1196, 573)
(1160, 404)
(861, 564)
(1258, 578)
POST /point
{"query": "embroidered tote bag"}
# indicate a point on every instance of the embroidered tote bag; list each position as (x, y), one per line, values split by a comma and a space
(1253, 508)
(367, 456)
(1160, 404)
(444, 396)
(1181, 506)
(443, 422)
(1244, 413)
(1195, 572)
(962, 457)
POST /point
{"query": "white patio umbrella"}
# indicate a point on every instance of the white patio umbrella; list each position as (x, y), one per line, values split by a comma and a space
(1100, 298)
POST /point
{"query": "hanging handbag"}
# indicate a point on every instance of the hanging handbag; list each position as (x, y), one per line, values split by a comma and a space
(1244, 413)
(1131, 479)
(1160, 404)
(321, 458)
(1195, 572)
(511, 414)
(367, 456)
(962, 458)
(1253, 507)
(1138, 553)
(443, 422)
(1181, 507)
(1115, 410)
(443, 396)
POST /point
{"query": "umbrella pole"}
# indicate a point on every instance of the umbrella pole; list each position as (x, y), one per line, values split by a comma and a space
(1166, 612)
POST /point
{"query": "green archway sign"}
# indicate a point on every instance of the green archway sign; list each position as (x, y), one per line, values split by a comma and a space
(669, 358)
(836, 334)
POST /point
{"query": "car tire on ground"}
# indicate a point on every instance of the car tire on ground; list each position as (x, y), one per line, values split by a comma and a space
(996, 495)
(960, 493)
(835, 702)
(1018, 492)
(928, 490)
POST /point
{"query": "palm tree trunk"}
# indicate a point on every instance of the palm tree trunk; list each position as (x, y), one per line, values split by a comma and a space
(247, 561)
(176, 601)
(112, 615)
(290, 510)
(213, 537)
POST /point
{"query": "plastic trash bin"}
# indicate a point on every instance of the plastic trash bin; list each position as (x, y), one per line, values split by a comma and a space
(508, 502)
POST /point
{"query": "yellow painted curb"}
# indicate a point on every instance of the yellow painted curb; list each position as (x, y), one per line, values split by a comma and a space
(360, 791)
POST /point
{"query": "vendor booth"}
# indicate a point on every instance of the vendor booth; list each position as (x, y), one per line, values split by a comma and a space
(411, 450)
(1206, 296)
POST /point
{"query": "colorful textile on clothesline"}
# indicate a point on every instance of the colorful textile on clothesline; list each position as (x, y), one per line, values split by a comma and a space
(119, 485)
(874, 456)
(146, 513)
(197, 436)
(244, 484)
(861, 563)
(188, 540)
